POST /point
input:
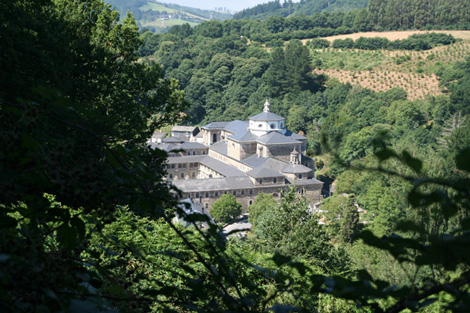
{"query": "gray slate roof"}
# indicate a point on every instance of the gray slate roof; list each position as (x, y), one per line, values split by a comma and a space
(246, 136)
(263, 172)
(216, 125)
(191, 145)
(213, 184)
(220, 147)
(276, 138)
(164, 146)
(185, 159)
(305, 182)
(267, 116)
(178, 128)
(236, 126)
(254, 161)
(173, 139)
(158, 135)
(296, 169)
(221, 167)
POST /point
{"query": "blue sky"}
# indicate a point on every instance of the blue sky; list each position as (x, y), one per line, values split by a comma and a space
(237, 5)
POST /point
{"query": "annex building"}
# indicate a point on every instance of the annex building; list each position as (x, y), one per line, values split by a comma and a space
(243, 158)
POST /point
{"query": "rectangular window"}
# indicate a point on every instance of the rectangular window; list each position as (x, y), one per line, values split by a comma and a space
(251, 191)
(182, 175)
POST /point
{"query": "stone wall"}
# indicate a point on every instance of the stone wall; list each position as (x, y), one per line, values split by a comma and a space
(247, 196)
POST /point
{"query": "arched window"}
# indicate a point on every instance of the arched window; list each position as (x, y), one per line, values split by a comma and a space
(273, 125)
(260, 125)
(214, 138)
(281, 125)
(171, 176)
(182, 175)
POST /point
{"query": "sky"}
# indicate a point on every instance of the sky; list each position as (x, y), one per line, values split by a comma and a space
(236, 5)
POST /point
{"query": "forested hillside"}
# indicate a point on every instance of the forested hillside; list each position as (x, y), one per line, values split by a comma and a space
(305, 7)
(418, 14)
(86, 217)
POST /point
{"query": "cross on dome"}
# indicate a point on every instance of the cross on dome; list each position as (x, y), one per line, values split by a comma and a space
(266, 106)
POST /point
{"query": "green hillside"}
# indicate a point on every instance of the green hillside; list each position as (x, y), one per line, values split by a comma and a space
(159, 17)
(305, 7)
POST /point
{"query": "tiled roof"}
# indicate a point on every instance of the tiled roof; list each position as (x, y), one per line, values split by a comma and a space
(215, 125)
(305, 182)
(157, 135)
(246, 136)
(213, 184)
(236, 126)
(221, 167)
(220, 147)
(296, 169)
(164, 146)
(173, 139)
(254, 161)
(191, 145)
(276, 138)
(263, 172)
(266, 116)
(178, 128)
(185, 159)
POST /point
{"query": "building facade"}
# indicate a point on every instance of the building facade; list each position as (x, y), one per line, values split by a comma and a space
(243, 158)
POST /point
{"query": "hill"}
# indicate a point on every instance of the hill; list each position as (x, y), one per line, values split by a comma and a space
(382, 70)
(159, 17)
(309, 7)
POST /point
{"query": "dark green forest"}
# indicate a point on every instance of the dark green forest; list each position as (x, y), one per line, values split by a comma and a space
(86, 217)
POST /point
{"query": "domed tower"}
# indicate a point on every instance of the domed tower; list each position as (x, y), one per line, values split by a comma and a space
(266, 122)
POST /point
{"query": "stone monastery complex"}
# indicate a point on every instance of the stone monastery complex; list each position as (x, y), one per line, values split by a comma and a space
(243, 158)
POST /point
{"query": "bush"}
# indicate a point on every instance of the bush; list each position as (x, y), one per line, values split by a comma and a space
(319, 43)
(347, 43)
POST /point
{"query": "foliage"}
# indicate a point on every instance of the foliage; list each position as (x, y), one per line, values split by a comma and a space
(262, 204)
(341, 217)
(226, 208)
(290, 229)
(422, 14)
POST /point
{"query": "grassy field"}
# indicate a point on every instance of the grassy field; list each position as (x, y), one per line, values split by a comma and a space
(150, 6)
(382, 70)
(166, 23)
(158, 7)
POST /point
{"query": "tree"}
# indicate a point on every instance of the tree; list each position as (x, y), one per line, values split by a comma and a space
(264, 202)
(342, 217)
(226, 208)
(76, 110)
(290, 229)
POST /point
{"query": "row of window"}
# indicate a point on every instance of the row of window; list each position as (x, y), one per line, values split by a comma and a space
(208, 194)
(266, 180)
(182, 175)
(183, 165)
